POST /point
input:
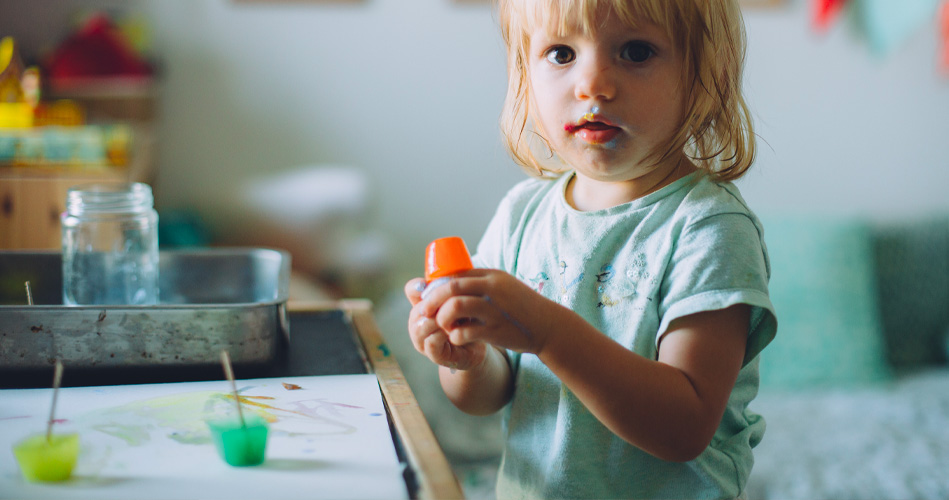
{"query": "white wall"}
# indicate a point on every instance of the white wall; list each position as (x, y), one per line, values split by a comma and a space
(843, 129)
(410, 92)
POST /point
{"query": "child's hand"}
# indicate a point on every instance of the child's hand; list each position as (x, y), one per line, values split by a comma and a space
(432, 341)
(483, 305)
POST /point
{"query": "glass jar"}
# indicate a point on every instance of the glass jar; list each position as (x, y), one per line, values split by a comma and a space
(110, 245)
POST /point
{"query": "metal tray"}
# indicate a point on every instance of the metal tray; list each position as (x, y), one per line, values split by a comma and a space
(209, 300)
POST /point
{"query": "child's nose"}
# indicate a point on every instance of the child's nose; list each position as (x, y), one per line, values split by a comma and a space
(595, 81)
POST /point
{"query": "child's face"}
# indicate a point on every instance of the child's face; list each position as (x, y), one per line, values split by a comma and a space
(605, 99)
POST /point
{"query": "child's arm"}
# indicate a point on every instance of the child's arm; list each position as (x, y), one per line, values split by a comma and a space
(668, 407)
(476, 376)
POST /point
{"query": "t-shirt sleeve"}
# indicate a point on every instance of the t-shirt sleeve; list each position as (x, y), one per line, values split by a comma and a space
(720, 261)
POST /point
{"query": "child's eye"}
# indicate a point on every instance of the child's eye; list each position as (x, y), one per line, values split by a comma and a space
(637, 52)
(560, 55)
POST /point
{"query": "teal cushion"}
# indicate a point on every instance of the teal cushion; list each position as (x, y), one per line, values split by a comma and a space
(824, 292)
(912, 269)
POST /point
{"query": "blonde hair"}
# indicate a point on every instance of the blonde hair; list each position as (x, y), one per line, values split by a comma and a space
(715, 130)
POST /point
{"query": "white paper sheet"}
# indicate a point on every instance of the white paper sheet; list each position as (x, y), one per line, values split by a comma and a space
(329, 438)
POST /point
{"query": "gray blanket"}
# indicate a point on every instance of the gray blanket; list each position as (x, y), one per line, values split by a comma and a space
(888, 442)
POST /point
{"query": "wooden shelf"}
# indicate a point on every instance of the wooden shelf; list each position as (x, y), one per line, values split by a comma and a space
(32, 199)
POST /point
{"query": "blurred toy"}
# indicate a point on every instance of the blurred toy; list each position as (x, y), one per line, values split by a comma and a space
(34, 132)
(63, 113)
(30, 85)
(97, 50)
(16, 107)
(11, 70)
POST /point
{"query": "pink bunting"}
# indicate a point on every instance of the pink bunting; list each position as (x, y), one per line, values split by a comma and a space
(824, 12)
(944, 36)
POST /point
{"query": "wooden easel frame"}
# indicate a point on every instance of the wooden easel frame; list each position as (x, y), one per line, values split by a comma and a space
(436, 480)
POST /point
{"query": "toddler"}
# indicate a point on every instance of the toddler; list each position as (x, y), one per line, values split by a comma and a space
(620, 296)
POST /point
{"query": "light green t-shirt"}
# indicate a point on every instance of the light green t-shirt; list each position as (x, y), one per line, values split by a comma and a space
(629, 270)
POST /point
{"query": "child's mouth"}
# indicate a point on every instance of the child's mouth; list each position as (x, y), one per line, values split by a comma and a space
(594, 132)
(589, 126)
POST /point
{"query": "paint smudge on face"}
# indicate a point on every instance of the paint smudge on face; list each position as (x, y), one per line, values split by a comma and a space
(590, 115)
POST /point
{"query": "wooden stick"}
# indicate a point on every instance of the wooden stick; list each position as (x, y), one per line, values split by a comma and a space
(226, 361)
(57, 377)
(29, 295)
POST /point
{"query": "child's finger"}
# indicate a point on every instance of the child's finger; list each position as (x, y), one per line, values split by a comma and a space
(470, 283)
(461, 309)
(464, 357)
(429, 339)
(438, 292)
(478, 319)
(420, 330)
(437, 348)
(413, 290)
